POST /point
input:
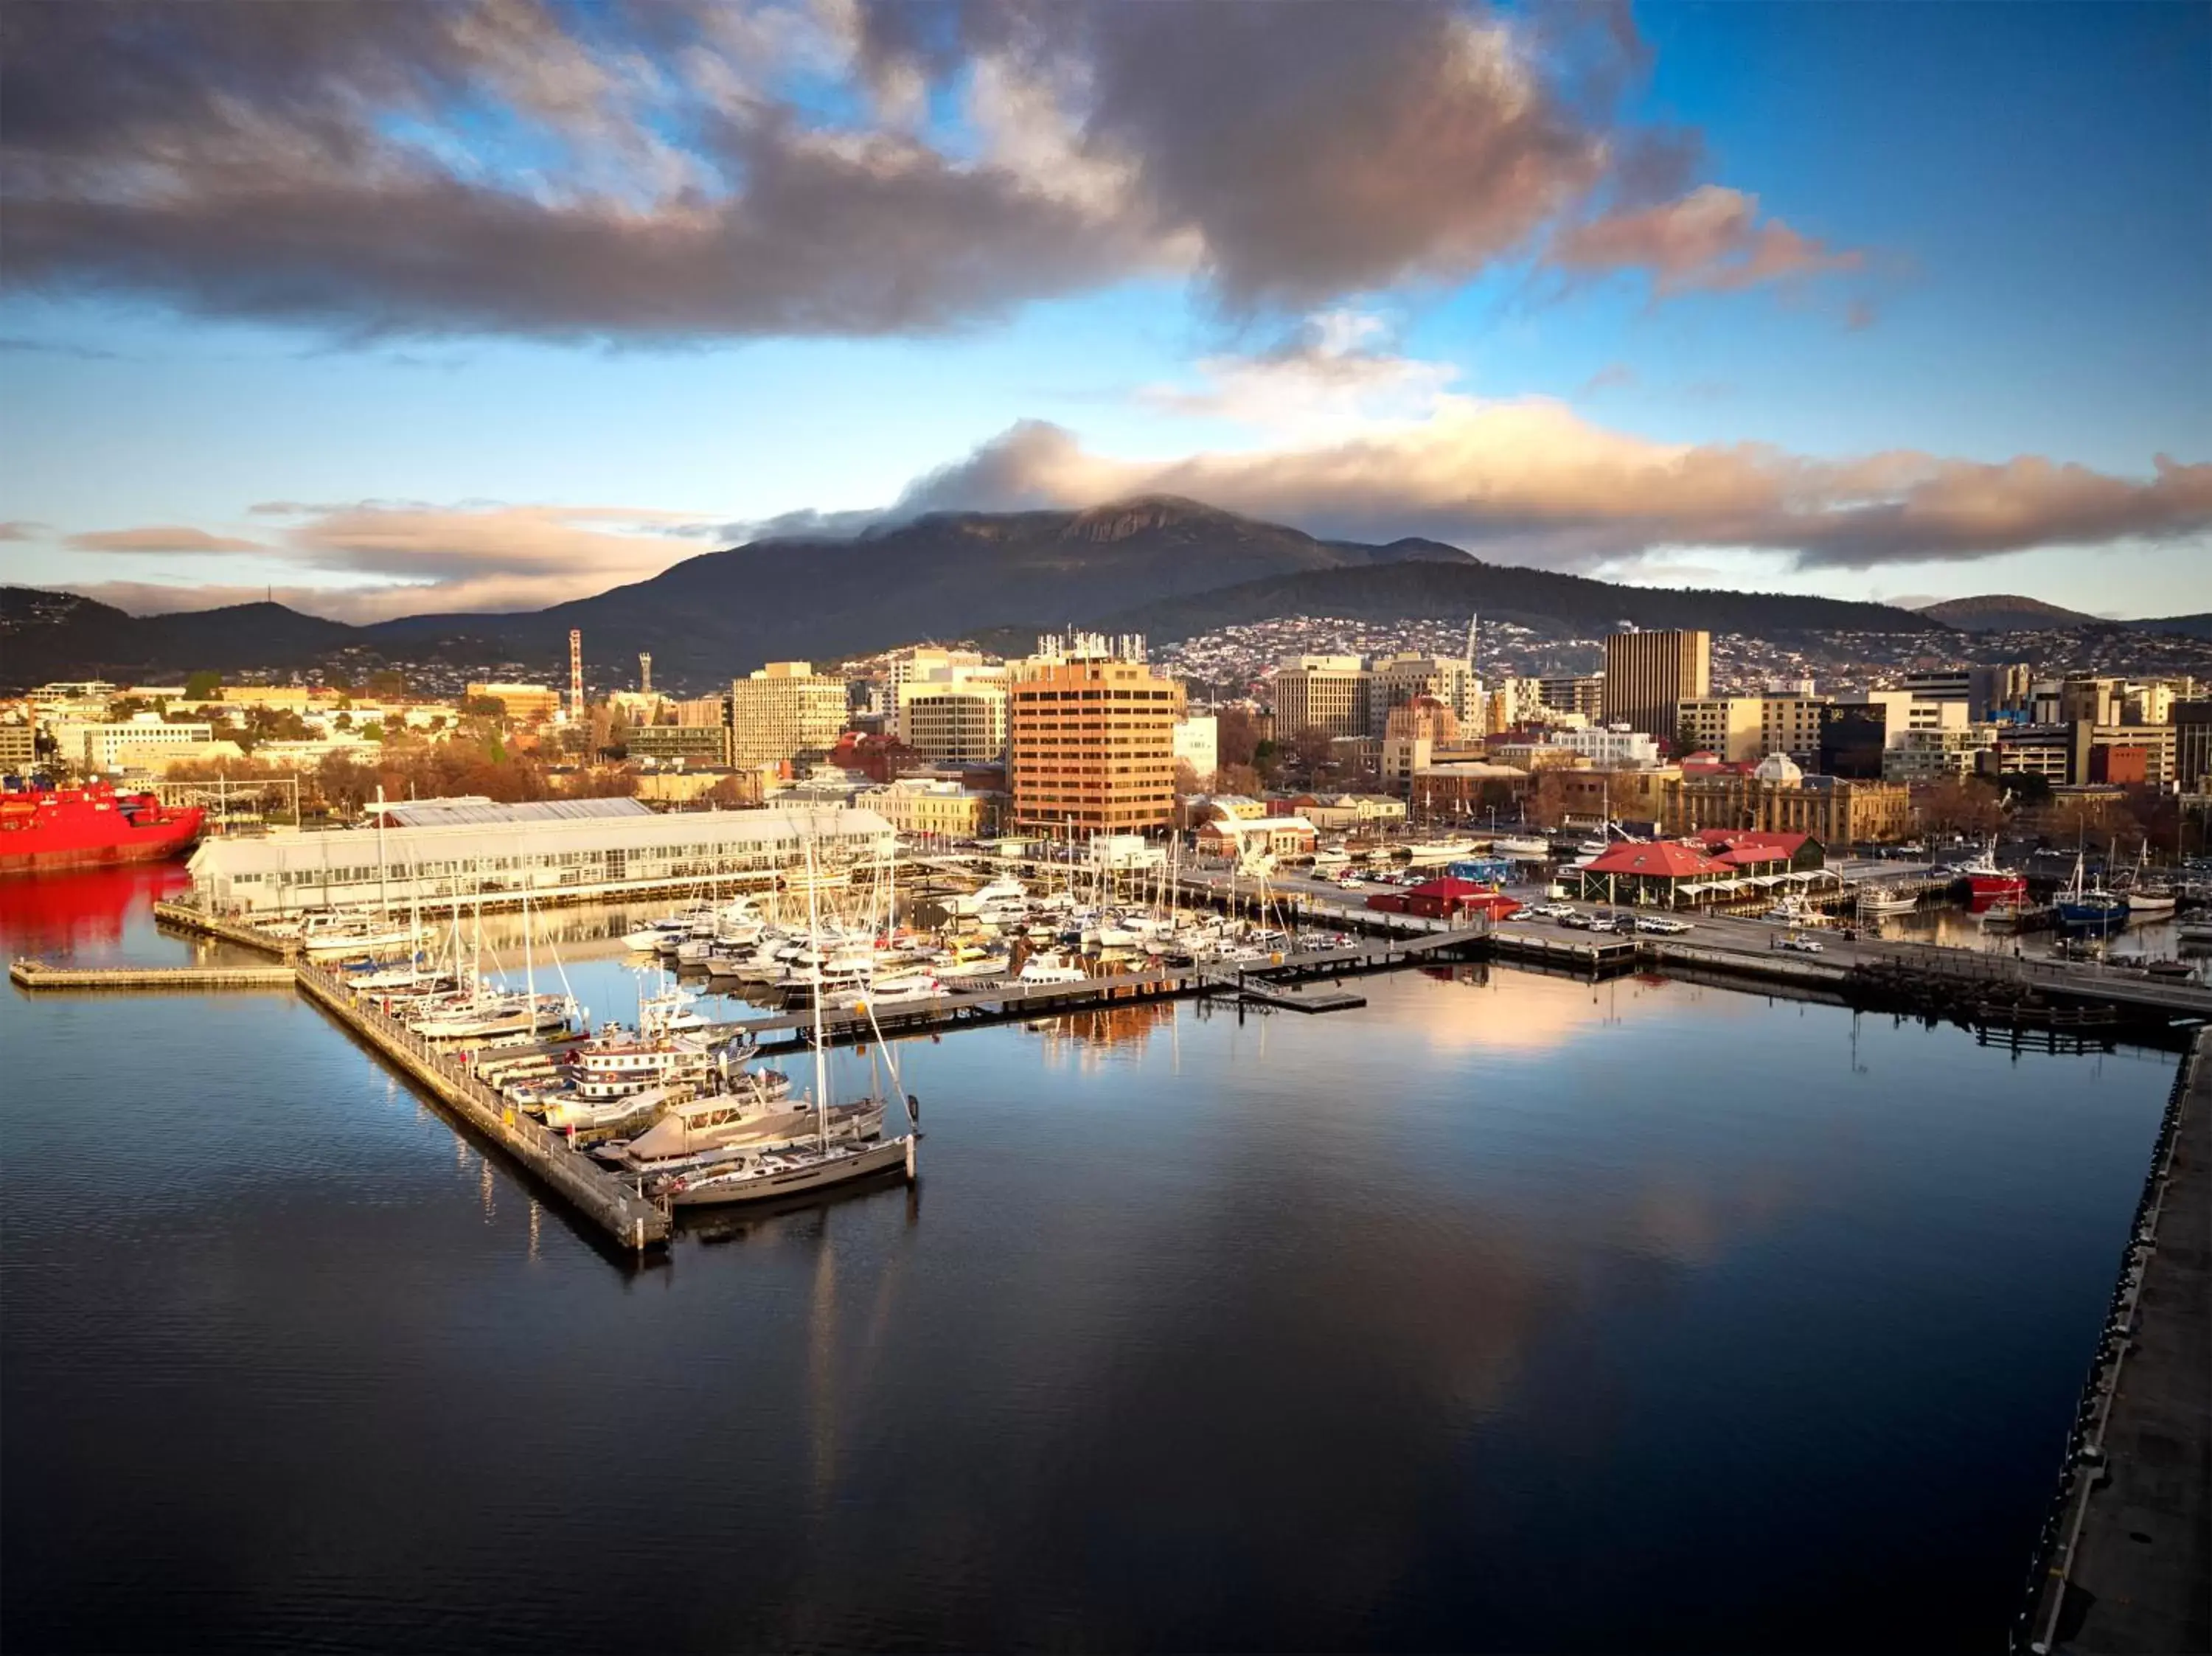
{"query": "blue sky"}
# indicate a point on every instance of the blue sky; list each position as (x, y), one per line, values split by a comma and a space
(1907, 302)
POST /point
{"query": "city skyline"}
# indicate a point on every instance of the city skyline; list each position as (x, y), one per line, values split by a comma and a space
(493, 307)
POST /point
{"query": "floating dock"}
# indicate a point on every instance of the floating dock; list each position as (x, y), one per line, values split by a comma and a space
(2127, 1561)
(41, 974)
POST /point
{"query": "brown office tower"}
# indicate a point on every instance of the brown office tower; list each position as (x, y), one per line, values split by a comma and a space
(1648, 676)
(1091, 743)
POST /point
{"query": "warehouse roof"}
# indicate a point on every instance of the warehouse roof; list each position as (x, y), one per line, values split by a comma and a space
(475, 808)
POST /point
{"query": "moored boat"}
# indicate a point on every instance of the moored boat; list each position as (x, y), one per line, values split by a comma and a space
(45, 829)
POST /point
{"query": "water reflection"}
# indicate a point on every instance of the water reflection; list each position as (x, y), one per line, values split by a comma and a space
(1494, 1313)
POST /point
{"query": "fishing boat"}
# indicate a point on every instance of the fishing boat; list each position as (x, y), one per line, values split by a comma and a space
(2087, 910)
(1988, 881)
(1886, 902)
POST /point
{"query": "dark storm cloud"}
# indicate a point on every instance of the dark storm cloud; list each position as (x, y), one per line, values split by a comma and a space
(643, 172)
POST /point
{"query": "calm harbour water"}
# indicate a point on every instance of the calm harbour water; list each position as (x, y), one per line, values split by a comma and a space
(1510, 1313)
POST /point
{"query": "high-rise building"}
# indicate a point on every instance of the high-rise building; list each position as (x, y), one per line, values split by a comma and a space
(1091, 740)
(1394, 681)
(1648, 676)
(1324, 693)
(783, 709)
(2192, 746)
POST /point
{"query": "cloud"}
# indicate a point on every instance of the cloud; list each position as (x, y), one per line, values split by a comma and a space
(20, 528)
(1611, 375)
(1329, 377)
(1711, 239)
(159, 538)
(675, 172)
(1531, 481)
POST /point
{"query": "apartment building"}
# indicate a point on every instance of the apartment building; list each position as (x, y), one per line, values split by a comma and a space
(1582, 694)
(783, 710)
(1092, 742)
(1648, 677)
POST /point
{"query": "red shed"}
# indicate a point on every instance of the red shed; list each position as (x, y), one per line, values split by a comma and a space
(1443, 899)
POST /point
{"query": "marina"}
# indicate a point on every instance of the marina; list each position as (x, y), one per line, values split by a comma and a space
(1559, 1160)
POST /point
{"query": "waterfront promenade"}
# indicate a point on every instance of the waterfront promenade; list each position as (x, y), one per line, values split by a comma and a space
(2131, 1571)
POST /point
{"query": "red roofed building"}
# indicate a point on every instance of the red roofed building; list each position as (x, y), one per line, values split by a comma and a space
(1649, 872)
(1798, 851)
(1445, 899)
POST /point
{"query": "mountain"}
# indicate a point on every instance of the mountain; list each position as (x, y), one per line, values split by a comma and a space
(2005, 612)
(2198, 626)
(1435, 590)
(1156, 564)
(942, 575)
(48, 635)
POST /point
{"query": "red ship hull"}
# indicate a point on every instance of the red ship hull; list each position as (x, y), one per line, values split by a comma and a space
(53, 829)
(1996, 887)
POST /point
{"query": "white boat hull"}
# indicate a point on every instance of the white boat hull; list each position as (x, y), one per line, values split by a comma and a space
(799, 1173)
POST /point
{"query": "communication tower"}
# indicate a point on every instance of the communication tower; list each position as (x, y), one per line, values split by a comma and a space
(577, 674)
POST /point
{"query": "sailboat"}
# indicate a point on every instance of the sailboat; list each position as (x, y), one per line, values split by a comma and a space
(802, 1168)
(2143, 897)
(2087, 910)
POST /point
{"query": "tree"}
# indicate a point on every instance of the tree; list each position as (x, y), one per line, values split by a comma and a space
(484, 706)
(1962, 804)
(1316, 749)
(1186, 779)
(204, 686)
(1238, 735)
(1237, 779)
(390, 684)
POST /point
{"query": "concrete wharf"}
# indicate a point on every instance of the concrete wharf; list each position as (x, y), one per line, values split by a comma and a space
(187, 917)
(44, 974)
(2127, 1564)
(594, 1191)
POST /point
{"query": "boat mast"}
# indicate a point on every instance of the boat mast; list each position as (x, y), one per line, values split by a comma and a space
(820, 1053)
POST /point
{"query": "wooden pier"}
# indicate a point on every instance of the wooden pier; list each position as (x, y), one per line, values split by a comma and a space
(43, 974)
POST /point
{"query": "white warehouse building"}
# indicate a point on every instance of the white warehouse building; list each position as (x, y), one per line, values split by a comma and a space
(566, 848)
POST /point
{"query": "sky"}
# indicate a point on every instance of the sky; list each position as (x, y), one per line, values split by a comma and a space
(385, 308)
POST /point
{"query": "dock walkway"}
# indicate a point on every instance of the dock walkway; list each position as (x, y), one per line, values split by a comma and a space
(44, 974)
(594, 1191)
(2130, 1563)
